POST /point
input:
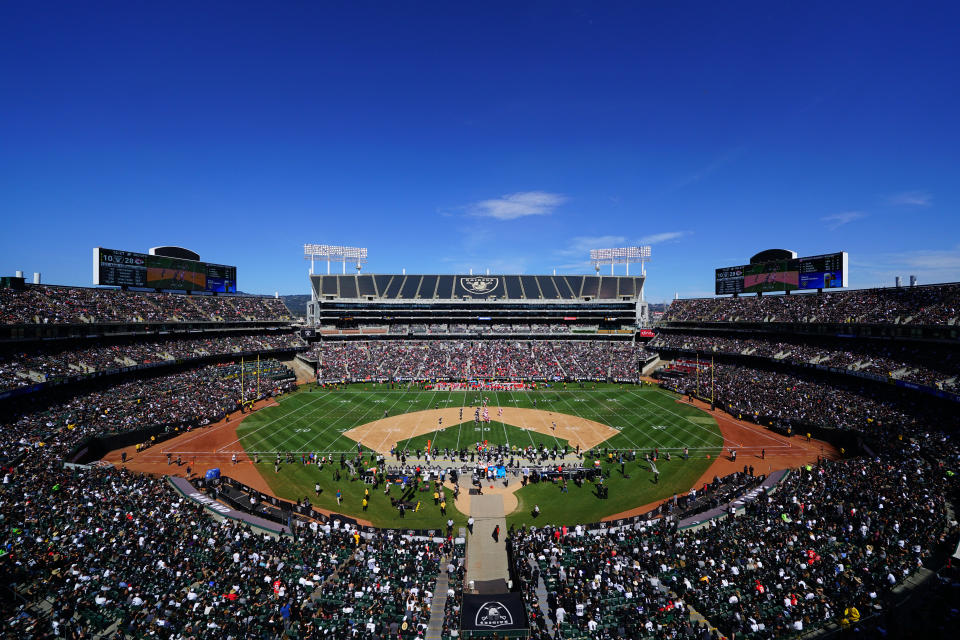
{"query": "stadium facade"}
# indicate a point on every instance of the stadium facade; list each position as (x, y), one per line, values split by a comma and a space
(474, 305)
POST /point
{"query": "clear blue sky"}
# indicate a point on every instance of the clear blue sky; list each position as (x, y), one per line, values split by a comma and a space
(512, 136)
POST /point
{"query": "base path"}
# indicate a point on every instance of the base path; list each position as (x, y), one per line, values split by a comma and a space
(486, 557)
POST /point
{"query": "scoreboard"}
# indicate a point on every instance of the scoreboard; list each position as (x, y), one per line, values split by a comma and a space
(115, 268)
(827, 271)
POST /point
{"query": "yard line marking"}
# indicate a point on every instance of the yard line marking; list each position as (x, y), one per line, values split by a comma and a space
(525, 426)
(389, 433)
(682, 417)
(433, 436)
(290, 428)
(419, 420)
(326, 393)
(463, 402)
(363, 415)
(602, 420)
(506, 438)
(645, 419)
(544, 419)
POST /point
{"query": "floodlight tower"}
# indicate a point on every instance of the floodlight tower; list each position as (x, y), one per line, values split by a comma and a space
(328, 252)
(358, 255)
(626, 256)
(621, 255)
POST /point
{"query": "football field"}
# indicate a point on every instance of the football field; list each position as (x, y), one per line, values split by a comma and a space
(317, 421)
(602, 418)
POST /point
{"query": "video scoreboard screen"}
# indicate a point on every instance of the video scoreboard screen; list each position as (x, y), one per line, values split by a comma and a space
(114, 268)
(827, 271)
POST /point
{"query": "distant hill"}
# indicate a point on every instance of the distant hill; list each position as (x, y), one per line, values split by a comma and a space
(297, 305)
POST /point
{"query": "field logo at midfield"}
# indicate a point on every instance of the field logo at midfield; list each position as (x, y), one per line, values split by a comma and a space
(479, 284)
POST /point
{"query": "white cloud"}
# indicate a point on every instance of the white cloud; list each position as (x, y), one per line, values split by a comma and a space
(518, 205)
(837, 220)
(658, 238)
(579, 246)
(911, 199)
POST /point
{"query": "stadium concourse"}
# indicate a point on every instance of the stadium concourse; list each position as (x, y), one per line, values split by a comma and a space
(859, 542)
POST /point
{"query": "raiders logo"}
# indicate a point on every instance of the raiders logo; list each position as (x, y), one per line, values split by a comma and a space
(493, 614)
(479, 284)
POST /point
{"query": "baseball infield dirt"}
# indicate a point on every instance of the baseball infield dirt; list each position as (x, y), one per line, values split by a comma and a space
(381, 435)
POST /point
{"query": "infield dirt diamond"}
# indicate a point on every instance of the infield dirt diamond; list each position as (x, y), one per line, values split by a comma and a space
(381, 435)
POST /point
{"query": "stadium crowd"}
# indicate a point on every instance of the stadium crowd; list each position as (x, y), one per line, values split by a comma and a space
(927, 305)
(124, 555)
(114, 554)
(42, 364)
(44, 304)
(189, 398)
(596, 587)
(828, 546)
(488, 359)
(931, 365)
(803, 398)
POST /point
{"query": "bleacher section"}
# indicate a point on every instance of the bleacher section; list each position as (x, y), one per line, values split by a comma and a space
(928, 364)
(52, 335)
(479, 359)
(917, 306)
(46, 304)
(34, 363)
(907, 337)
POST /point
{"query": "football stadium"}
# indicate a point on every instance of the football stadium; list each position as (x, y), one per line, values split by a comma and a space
(460, 455)
(451, 321)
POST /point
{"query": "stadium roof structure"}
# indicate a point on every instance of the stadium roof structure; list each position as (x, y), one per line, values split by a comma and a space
(498, 287)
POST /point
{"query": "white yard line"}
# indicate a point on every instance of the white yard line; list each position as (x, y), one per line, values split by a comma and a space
(603, 421)
(414, 428)
(682, 417)
(387, 434)
(281, 417)
(341, 418)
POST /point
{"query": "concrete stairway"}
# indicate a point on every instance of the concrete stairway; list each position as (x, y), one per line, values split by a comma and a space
(437, 606)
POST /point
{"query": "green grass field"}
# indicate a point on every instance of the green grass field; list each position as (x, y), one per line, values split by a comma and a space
(645, 417)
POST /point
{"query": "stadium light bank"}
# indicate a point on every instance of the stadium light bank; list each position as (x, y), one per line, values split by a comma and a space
(328, 252)
(620, 255)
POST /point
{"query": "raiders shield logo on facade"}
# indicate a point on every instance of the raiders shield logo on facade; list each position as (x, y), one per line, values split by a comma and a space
(492, 615)
(479, 284)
